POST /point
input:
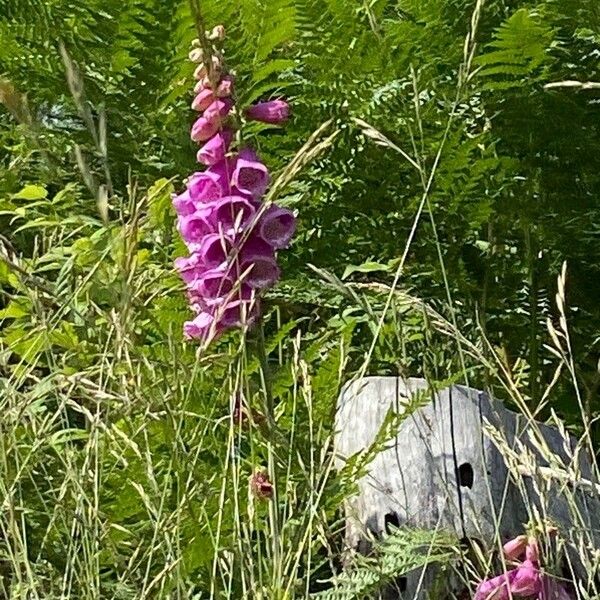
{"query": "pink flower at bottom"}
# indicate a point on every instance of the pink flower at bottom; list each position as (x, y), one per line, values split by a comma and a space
(496, 588)
(526, 581)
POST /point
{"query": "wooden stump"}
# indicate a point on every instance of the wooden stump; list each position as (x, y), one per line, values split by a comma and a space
(443, 471)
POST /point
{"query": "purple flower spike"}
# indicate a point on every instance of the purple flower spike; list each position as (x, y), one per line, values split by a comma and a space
(277, 226)
(232, 249)
(273, 111)
(250, 176)
(216, 148)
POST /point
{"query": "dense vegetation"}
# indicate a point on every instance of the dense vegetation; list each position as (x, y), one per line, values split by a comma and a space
(453, 171)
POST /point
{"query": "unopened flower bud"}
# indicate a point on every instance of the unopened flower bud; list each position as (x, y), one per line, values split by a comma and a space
(202, 71)
(260, 485)
(514, 549)
(195, 43)
(218, 33)
(196, 55)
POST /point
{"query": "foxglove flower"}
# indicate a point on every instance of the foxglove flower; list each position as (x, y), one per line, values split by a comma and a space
(274, 111)
(250, 176)
(515, 549)
(231, 236)
(216, 148)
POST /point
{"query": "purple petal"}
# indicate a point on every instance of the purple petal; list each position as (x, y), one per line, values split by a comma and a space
(277, 226)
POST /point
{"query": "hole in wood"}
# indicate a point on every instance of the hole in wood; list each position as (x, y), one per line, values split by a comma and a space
(465, 475)
(390, 521)
(400, 584)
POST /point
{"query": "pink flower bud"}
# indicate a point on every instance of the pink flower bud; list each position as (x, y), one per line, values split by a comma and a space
(196, 55)
(203, 99)
(218, 108)
(273, 111)
(201, 71)
(217, 33)
(276, 226)
(204, 128)
(261, 486)
(250, 176)
(225, 87)
(216, 148)
(514, 549)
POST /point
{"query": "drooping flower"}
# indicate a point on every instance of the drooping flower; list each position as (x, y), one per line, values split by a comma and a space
(496, 588)
(526, 581)
(273, 111)
(216, 148)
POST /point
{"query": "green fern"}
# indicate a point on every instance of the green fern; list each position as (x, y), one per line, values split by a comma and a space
(519, 51)
(401, 552)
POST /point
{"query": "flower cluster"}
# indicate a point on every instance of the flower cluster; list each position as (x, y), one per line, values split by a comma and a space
(232, 236)
(526, 580)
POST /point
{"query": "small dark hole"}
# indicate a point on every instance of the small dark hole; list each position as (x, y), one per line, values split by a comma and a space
(400, 584)
(465, 475)
(391, 520)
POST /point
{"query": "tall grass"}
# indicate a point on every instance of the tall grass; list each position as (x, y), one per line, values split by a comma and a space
(128, 456)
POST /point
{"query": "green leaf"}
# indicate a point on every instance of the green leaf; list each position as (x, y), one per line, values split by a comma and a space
(31, 192)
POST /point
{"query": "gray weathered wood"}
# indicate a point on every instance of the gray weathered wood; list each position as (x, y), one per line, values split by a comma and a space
(414, 480)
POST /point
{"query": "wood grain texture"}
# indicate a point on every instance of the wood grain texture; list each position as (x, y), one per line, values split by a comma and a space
(443, 471)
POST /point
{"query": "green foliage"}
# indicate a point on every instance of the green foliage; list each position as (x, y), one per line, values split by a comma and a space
(124, 474)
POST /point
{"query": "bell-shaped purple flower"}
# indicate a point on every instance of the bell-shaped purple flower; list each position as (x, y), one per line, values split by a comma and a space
(219, 108)
(273, 111)
(194, 227)
(202, 327)
(216, 148)
(204, 98)
(212, 284)
(215, 249)
(189, 267)
(250, 176)
(206, 187)
(277, 226)
(231, 213)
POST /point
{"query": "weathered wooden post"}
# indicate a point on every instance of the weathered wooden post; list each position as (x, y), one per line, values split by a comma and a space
(443, 471)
